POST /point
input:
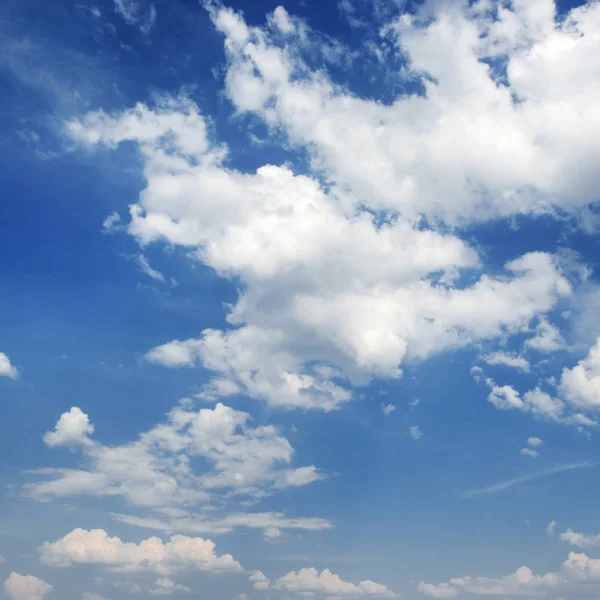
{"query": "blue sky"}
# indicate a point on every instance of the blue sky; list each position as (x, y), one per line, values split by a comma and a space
(299, 300)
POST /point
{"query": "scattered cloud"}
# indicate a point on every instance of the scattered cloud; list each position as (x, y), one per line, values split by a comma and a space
(96, 547)
(576, 570)
(26, 587)
(551, 527)
(535, 442)
(581, 385)
(113, 224)
(581, 540)
(529, 452)
(6, 368)
(145, 267)
(415, 432)
(503, 485)
(164, 586)
(137, 13)
(547, 338)
(387, 409)
(508, 360)
(310, 581)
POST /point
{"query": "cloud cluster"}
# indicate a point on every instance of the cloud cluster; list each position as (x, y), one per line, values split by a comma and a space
(96, 547)
(160, 470)
(570, 580)
(310, 581)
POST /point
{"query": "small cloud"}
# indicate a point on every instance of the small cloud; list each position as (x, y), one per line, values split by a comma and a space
(415, 432)
(414, 403)
(145, 267)
(387, 409)
(508, 360)
(529, 452)
(2, 559)
(534, 441)
(113, 223)
(550, 528)
(6, 368)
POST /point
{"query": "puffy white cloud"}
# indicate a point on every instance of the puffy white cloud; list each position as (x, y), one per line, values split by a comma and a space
(160, 470)
(581, 384)
(323, 282)
(547, 338)
(259, 581)
(480, 142)
(576, 570)
(26, 587)
(415, 432)
(96, 547)
(535, 442)
(165, 587)
(72, 429)
(326, 582)
(508, 360)
(6, 368)
(581, 540)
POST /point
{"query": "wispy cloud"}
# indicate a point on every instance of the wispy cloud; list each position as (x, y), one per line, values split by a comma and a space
(503, 485)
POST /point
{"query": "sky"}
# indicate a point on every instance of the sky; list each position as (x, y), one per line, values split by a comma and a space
(299, 300)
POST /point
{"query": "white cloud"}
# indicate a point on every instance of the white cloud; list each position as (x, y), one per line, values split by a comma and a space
(576, 570)
(113, 224)
(466, 149)
(137, 13)
(529, 452)
(26, 587)
(299, 250)
(581, 384)
(581, 540)
(387, 409)
(96, 547)
(547, 338)
(145, 267)
(535, 442)
(6, 368)
(508, 360)
(165, 587)
(160, 470)
(551, 527)
(309, 580)
(415, 432)
(72, 429)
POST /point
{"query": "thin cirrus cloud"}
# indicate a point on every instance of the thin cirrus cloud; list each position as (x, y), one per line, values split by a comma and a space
(508, 483)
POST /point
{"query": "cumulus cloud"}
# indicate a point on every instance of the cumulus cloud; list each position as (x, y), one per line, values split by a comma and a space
(96, 547)
(160, 471)
(72, 429)
(547, 338)
(299, 250)
(310, 581)
(533, 443)
(6, 368)
(581, 384)
(26, 587)
(576, 570)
